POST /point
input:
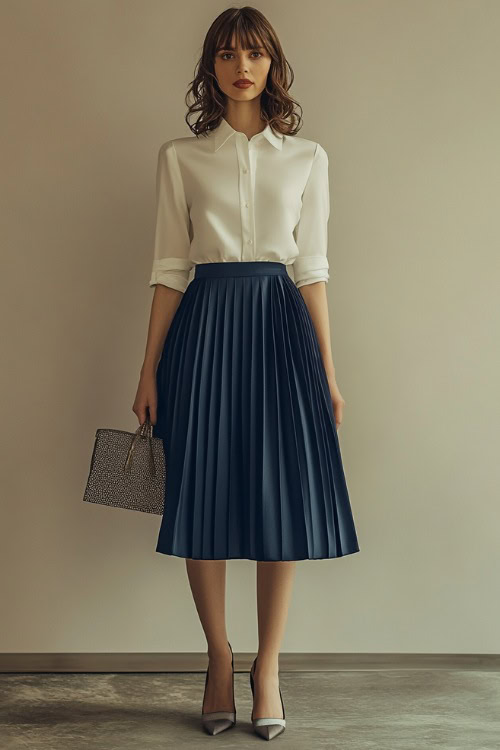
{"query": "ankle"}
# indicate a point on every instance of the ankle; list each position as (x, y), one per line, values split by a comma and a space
(267, 664)
(219, 652)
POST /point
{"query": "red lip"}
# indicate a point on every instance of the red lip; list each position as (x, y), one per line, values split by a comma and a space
(243, 82)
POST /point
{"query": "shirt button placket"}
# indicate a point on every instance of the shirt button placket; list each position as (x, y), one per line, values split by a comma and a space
(245, 195)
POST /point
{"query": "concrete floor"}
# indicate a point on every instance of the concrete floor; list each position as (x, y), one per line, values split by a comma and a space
(348, 710)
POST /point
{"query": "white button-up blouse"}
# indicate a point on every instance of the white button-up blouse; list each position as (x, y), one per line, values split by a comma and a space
(224, 197)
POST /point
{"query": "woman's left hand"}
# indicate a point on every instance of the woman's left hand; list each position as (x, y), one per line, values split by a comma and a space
(337, 400)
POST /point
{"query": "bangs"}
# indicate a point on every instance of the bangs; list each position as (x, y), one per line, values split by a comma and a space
(246, 36)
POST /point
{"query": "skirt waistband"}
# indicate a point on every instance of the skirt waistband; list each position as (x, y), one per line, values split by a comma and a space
(240, 268)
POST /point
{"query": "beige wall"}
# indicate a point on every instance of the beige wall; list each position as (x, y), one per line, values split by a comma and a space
(404, 97)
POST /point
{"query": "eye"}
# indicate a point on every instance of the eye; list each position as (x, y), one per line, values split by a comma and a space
(255, 52)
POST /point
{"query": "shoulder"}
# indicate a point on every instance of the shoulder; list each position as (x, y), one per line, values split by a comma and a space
(183, 146)
(168, 148)
(306, 146)
(166, 152)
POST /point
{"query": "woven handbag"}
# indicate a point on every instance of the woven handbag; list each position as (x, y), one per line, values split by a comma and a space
(127, 470)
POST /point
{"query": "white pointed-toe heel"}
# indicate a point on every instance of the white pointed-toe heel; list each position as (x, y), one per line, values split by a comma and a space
(267, 728)
(215, 722)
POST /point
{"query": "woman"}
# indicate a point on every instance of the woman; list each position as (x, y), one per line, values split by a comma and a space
(238, 376)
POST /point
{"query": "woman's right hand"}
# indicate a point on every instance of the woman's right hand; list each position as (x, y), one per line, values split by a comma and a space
(146, 398)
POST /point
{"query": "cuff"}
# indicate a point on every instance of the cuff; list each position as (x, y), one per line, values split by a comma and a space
(310, 268)
(172, 272)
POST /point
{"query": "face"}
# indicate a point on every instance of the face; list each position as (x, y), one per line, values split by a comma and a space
(232, 65)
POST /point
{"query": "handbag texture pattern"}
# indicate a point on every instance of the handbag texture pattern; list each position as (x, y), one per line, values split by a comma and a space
(127, 470)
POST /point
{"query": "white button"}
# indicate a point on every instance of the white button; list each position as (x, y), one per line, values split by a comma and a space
(245, 170)
(246, 205)
(249, 242)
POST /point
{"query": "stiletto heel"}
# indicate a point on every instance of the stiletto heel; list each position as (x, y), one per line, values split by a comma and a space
(215, 722)
(267, 728)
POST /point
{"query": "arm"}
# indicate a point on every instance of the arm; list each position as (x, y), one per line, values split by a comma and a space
(311, 267)
(317, 303)
(163, 308)
(316, 300)
(169, 274)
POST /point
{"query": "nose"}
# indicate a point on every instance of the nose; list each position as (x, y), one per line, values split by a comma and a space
(242, 68)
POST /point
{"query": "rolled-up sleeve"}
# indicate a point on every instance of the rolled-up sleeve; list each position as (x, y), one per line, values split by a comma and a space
(171, 264)
(311, 233)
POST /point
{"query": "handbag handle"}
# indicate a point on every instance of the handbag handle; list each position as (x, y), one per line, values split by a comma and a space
(144, 429)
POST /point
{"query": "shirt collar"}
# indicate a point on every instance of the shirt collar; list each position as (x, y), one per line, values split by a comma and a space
(224, 131)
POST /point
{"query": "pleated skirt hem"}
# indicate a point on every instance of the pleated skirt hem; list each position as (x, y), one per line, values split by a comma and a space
(257, 559)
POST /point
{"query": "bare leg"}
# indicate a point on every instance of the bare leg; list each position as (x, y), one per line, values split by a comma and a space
(207, 579)
(274, 589)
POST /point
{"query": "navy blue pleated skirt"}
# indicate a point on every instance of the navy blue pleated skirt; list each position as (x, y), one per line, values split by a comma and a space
(253, 463)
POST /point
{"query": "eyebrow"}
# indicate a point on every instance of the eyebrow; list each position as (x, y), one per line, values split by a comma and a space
(233, 48)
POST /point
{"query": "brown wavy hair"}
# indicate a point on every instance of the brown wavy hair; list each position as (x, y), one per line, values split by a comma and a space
(251, 29)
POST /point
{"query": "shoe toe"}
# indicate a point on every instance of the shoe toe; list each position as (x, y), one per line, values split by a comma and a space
(214, 726)
(269, 731)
